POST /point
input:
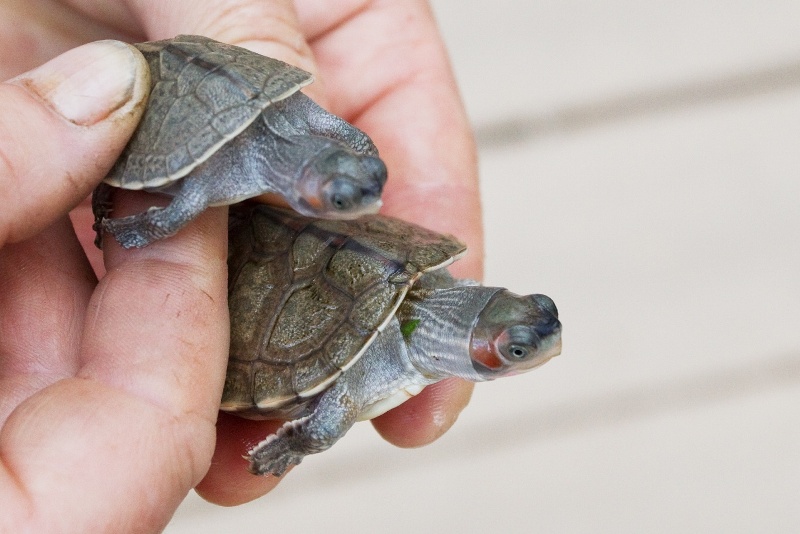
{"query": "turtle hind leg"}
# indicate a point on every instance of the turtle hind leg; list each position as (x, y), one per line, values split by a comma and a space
(156, 223)
(334, 414)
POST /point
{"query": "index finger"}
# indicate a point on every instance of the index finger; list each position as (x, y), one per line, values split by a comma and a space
(135, 429)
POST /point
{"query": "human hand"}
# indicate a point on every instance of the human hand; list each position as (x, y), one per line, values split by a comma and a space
(106, 420)
(380, 65)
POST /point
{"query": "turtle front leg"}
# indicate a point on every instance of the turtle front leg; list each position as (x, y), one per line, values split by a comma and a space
(156, 223)
(334, 414)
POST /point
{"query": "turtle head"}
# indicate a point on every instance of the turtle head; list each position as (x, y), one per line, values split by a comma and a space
(340, 184)
(514, 334)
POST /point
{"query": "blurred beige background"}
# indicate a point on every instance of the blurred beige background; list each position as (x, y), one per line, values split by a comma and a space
(641, 165)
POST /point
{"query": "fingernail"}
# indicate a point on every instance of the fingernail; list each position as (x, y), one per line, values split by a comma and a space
(87, 84)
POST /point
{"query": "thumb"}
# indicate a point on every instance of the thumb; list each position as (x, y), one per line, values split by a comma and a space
(62, 125)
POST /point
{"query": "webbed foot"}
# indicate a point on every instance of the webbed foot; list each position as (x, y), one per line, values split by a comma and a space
(333, 414)
(141, 229)
(278, 452)
(273, 456)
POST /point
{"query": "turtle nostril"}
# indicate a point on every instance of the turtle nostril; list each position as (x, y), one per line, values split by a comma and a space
(376, 168)
(369, 196)
(547, 327)
(547, 303)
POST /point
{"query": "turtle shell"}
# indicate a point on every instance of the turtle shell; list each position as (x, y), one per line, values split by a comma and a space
(308, 296)
(203, 94)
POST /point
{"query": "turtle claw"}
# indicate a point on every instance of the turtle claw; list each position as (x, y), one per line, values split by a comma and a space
(137, 231)
(131, 232)
(272, 457)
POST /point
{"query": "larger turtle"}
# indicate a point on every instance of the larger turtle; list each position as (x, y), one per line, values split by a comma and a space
(223, 124)
(338, 321)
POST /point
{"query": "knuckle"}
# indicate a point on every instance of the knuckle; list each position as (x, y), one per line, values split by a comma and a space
(277, 33)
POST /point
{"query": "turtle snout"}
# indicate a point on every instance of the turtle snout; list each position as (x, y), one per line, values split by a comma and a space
(548, 323)
(377, 170)
(372, 181)
(545, 302)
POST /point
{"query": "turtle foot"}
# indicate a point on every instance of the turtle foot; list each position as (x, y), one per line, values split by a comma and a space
(331, 418)
(273, 456)
(137, 231)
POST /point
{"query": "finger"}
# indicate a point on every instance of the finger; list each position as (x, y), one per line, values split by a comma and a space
(424, 418)
(45, 285)
(271, 26)
(410, 106)
(136, 426)
(61, 128)
(42, 30)
(318, 18)
(83, 220)
(157, 325)
(268, 28)
(228, 482)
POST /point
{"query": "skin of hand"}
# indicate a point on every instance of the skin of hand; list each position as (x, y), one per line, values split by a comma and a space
(113, 387)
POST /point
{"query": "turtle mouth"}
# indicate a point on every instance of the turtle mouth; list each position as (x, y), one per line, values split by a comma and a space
(345, 197)
(319, 209)
(485, 358)
(366, 208)
(549, 349)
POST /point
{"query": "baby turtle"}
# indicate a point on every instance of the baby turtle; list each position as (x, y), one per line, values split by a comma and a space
(338, 321)
(223, 124)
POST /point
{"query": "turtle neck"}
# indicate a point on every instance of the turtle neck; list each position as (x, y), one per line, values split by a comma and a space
(437, 326)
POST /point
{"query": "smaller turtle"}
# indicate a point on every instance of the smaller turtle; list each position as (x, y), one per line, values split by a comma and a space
(223, 124)
(338, 321)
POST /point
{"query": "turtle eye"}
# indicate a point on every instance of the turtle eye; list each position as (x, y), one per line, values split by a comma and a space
(340, 202)
(342, 194)
(519, 343)
(517, 352)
